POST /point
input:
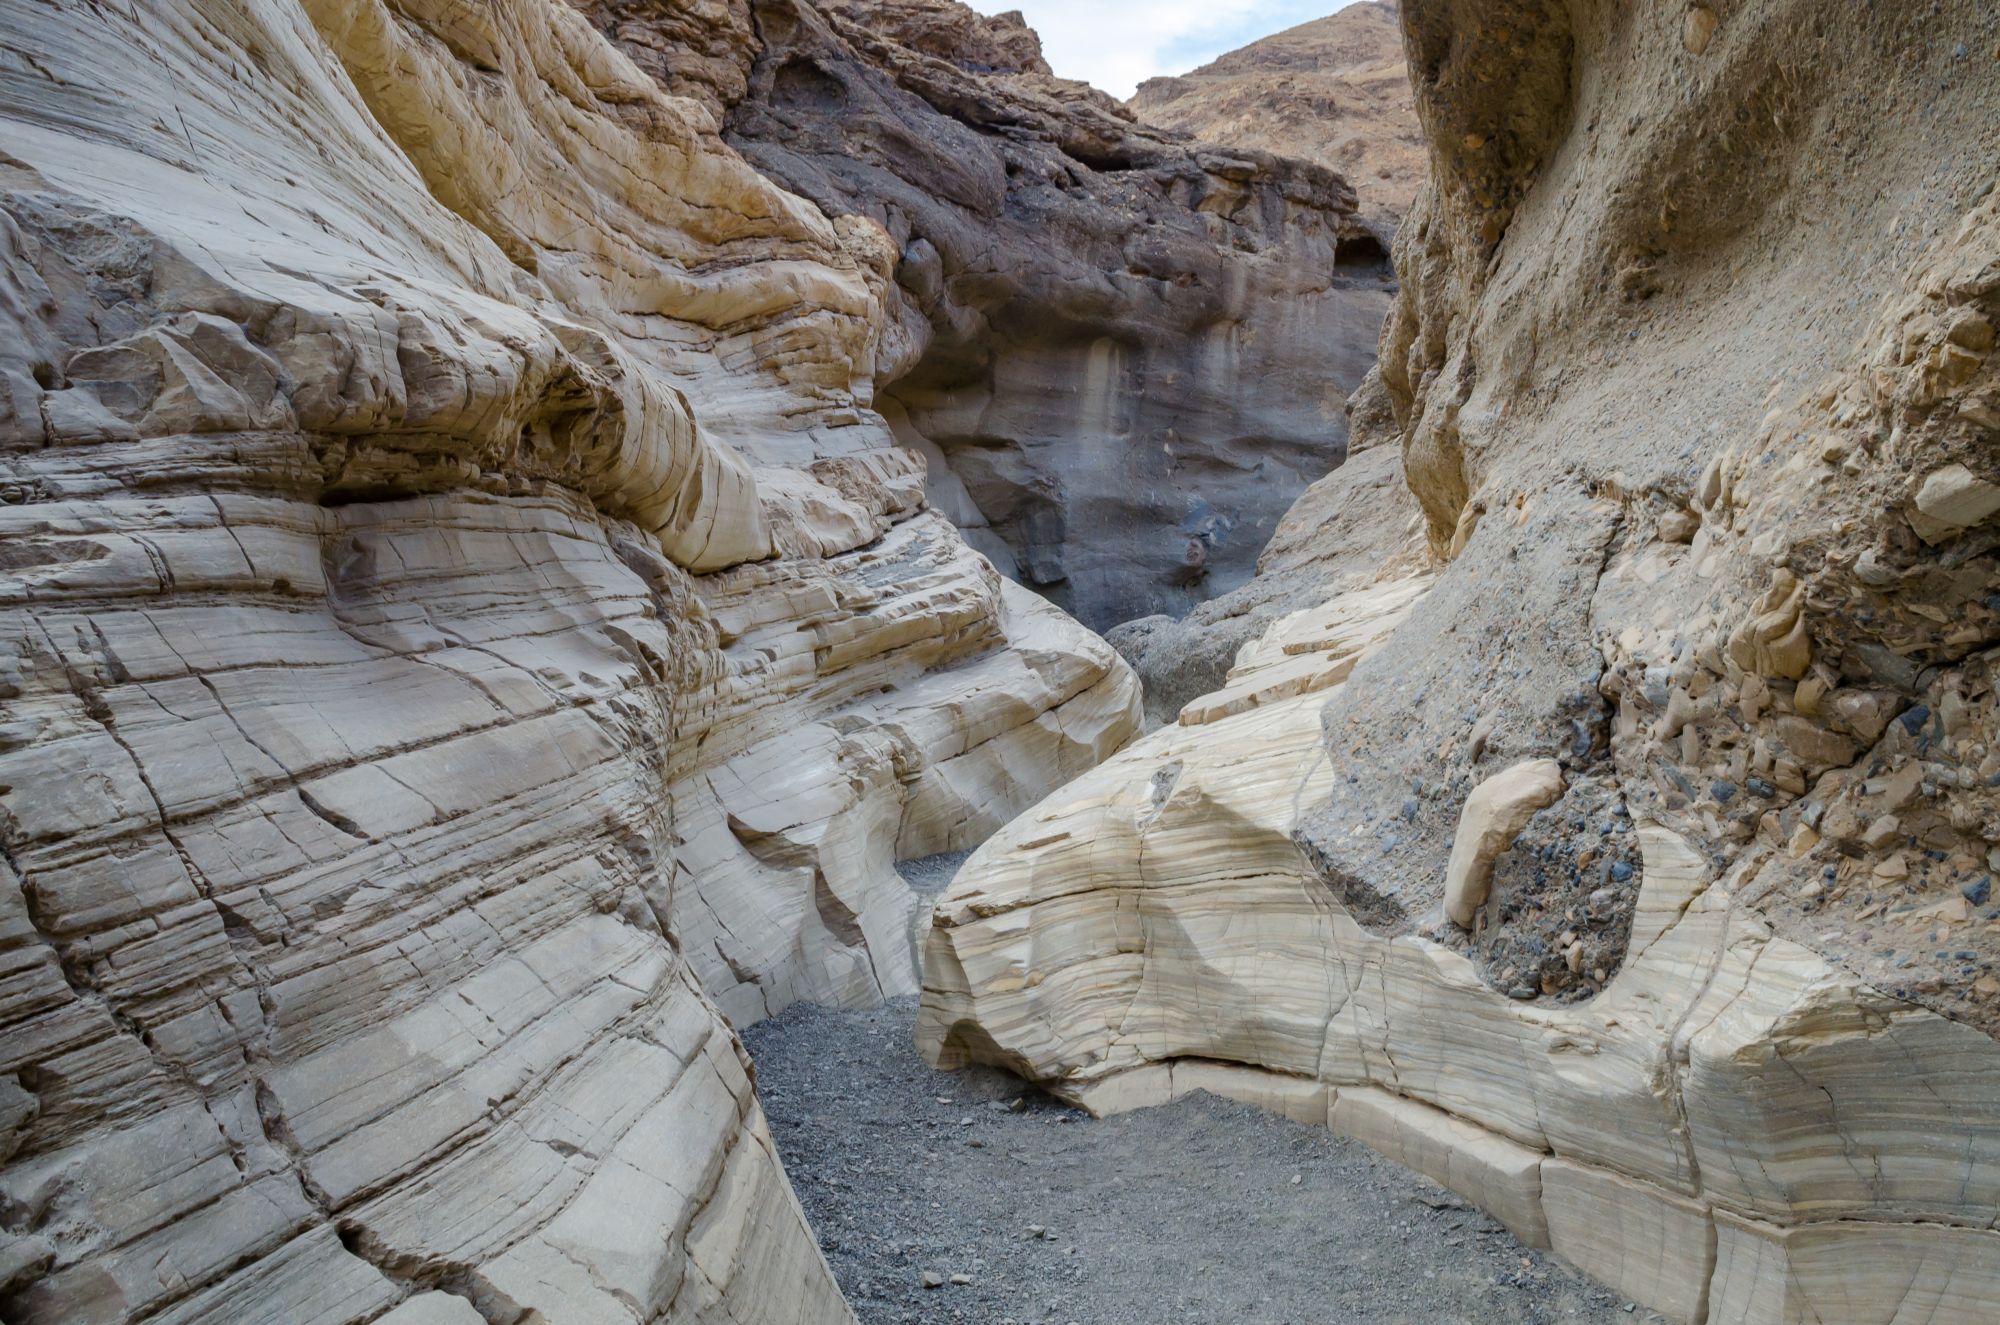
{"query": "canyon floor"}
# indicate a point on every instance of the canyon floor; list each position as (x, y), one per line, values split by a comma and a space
(1202, 1212)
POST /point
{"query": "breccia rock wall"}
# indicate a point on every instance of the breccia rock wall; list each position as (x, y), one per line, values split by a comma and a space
(1713, 522)
(1125, 354)
(464, 628)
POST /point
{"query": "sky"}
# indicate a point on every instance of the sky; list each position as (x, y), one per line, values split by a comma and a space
(1116, 44)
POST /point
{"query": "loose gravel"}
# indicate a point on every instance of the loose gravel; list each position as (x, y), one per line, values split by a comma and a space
(970, 1197)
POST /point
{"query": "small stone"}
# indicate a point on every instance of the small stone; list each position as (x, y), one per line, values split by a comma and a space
(1019, 1105)
(1869, 569)
(1621, 871)
(1811, 891)
(961, 1279)
(1697, 31)
(1679, 527)
(1297, 1179)
(1804, 839)
(1952, 499)
(1881, 832)
(1895, 867)
(1723, 790)
(931, 1279)
(1977, 891)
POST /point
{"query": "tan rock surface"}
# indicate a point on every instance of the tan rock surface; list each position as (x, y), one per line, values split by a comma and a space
(1493, 816)
(1335, 90)
(462, 627)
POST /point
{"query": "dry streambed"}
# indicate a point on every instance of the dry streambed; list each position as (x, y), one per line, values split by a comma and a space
(943, 1197)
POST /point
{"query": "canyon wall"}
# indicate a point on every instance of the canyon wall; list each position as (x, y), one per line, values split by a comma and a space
(464, 628)
(1691, 376)
(1125, 355)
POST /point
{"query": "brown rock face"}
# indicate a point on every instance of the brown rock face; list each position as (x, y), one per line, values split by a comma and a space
(1124, 355)
(1335, 90)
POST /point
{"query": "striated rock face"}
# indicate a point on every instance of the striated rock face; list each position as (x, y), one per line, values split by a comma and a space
(1713, 531)
(463, 628)
(1335, 90)
(1124, 355)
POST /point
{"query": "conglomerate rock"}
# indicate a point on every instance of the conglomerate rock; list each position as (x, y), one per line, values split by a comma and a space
(1693, 371)
(1125, 355)
(463, 629)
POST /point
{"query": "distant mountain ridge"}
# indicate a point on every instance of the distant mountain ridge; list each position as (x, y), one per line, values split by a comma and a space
(1335, 91)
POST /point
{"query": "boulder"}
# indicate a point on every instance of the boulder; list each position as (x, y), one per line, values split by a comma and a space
(1492, 817)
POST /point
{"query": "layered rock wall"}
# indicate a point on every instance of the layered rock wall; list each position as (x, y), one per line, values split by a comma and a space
(1123, 354)
(463, 629)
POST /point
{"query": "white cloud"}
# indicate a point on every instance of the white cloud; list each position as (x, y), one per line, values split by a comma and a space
(1116, 44)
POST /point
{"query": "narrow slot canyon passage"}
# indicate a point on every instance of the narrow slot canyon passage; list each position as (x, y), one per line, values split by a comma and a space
(1387, 648)
(1204, 1210)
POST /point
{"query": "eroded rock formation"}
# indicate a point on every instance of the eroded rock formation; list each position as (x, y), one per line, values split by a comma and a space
(1124, 355)
(1335, 90)
(465, 628)
(1712, 528)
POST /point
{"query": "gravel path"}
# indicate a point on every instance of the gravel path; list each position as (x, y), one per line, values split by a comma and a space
(1205, 1212)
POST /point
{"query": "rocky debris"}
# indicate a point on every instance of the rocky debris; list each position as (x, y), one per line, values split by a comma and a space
(1121, 353)
(1335, 90)
(463, 630)
(1056, 1217)
(1492, 817)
